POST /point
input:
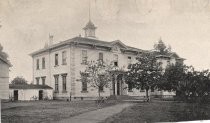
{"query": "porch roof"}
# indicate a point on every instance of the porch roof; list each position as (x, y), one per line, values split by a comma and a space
(28, 86)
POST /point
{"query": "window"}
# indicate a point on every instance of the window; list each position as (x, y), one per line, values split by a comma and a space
(168, 62)
(37, 80)
(129, 60)
(37, 64)
(84, 56)
(64, 58)
(56, 59)
(100, 57)
(84, 82)
(130, 87)
(43, 80)
(64, 82)
(101, 88)
(115, 60)
(56, 83)
(43, 63)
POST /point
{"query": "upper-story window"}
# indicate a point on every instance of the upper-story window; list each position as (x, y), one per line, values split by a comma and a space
(168, 62)
(37, 64)
(43, 80)
(115, 60)
(129, 60)
(56, 59)
(100, 56)
(43, 63)
(84, 57)
(64, 58)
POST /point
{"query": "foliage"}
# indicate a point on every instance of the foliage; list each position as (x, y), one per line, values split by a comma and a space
(188, 83)
(3, 54)
(161, 47)
(145, 73)
(98, 75)
(18, 80)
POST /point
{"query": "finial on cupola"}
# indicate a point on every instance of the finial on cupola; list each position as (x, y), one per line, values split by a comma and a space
(90, 27)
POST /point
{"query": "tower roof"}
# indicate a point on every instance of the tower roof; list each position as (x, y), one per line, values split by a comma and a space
(90, 25)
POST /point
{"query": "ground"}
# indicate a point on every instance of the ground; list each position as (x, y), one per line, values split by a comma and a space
(155, 111)
(46, 111)
(161, 111)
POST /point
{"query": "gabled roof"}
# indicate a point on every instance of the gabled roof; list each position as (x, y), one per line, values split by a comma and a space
(88, 41)
(28, 86)
(5, 61)
(119, 42)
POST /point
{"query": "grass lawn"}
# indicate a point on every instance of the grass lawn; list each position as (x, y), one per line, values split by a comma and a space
(46, 111)
(162, 111)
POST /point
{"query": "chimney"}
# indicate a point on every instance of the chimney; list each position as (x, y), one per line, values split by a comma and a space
(50, 40)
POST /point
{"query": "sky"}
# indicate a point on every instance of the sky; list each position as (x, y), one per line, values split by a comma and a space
(182, 24)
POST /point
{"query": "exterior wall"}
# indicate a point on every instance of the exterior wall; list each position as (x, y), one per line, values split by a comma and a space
(59, 70)
(41, 72)
(93, 54)
(4, 80)
(31, 94)
(74, 67)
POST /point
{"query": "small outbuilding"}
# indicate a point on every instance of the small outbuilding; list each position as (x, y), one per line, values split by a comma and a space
(30, 92)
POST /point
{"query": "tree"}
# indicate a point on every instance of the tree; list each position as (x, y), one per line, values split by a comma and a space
(3, 54)
(19, 80)
(161, 47)
(172, 78)
(145, 73)
(97, 75)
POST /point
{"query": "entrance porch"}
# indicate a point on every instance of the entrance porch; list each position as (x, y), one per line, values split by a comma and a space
(118, 86)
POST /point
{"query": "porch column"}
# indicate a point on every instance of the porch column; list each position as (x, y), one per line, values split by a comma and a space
(124, 91)
(115, 82)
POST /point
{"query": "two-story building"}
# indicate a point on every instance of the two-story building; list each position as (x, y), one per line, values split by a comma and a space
(4, 75)
(59, 65)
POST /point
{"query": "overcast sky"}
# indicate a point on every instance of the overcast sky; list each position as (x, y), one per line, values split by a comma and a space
(183, 24)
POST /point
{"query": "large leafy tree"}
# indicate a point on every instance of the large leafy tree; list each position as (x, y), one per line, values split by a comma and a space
(18, 80)
(97, 75)
(144, 74)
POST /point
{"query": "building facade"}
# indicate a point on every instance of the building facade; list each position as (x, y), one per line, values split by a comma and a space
(26, 92)
(59, 65)
(4, 75)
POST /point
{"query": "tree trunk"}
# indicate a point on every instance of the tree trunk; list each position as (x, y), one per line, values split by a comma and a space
(147, 94)
(99, 94)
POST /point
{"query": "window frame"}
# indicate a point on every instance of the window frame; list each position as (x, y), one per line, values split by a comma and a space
(43, 78)
(37, 64)
(56, 77)
(43, 63)
(84, 56)
(37, 80)
(101, 56)
(64, 83)
(64, 58)
(56, 59)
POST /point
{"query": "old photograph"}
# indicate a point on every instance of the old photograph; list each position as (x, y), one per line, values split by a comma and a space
(104, 61)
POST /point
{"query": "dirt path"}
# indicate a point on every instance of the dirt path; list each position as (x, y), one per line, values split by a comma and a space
(97, 115)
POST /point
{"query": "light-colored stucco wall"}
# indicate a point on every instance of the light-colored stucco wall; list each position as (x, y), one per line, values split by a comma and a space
(4, 80)
(31, 94)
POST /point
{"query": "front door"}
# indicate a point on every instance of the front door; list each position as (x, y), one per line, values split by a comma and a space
(15, 95)
(40, 94)
(118, 87)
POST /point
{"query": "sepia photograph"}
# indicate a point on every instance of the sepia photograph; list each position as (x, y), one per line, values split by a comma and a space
(104, 61)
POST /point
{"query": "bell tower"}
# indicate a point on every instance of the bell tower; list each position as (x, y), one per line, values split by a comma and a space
(90, 27)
